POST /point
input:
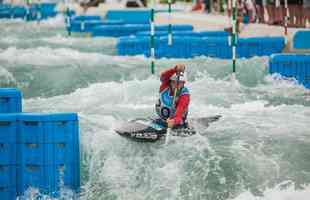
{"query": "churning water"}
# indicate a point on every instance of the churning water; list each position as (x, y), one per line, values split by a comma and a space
(259, 150)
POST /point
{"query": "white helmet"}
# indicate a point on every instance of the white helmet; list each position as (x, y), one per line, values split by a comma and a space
(182, 77)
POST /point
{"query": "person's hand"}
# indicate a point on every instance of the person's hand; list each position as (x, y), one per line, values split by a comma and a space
(170, 123)
(180, 68)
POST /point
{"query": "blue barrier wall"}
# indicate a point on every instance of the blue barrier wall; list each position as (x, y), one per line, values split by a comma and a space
(88, 25)
(84, 26)
(8, 129)
(302, 40)
(36, 150)
(47, 152)
(35, 11)
(292, 65)
(10, 100)
(188, 47)
(129, 29)
(86, 18)
(185, 33)
(130, 16)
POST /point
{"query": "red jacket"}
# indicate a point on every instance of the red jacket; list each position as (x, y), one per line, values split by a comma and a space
(182, 102)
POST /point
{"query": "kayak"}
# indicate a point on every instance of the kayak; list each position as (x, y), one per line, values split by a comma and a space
(149, 129)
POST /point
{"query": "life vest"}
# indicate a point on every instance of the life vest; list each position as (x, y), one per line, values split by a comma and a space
(164, 107)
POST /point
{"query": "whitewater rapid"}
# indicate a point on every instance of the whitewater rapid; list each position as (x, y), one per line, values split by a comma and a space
(259, 150)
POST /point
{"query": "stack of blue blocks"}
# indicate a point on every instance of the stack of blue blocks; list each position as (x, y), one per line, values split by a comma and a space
(130, 29)
(37, 150)
(293, 66)
(191, 46)
(130, 16)
(10, 101)
(8, 160)
(45, 10)
(119, 23)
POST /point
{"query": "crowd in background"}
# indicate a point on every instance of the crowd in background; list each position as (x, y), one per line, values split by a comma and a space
(272, 12)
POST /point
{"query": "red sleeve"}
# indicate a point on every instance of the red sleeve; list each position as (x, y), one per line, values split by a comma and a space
(164, 78)
(182, 107)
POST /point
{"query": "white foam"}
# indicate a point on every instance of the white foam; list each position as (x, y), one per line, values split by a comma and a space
(278, 193)
(46, 56)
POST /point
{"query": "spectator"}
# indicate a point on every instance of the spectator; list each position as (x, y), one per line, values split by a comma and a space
(207, 6)
(278, 14)
(306, 13)
(197, 6)
(299, 14)
(250, 10)
(293, 9)
(260, 11)
(270, 10)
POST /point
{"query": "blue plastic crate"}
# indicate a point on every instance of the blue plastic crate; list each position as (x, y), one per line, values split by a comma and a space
(39, 11)
(179, 27)
(7, 153)
(7, 193)
(18, 12)
(7, 176)
(67, 176)
(36, 176)
(31, 153)
(8, 128)
(165, 33)
(292, 65)
(10, 100)
(47, 128)
(4, 14)
(130, 16)
(48, 178)
(62, 153)
(301, 40)
(64, 128)
(86, 17)
(46, 154)
(84, 26)
(31, 131)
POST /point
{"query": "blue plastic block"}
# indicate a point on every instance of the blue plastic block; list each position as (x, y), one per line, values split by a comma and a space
(63, 129)
(179, 27)
(48, 178)
(86, 26)
(7, 154)
(60, 153)
(130, 16)
(86, 18)
(30, 131)
(41, 11)
(31, 153)
(113, 22)
(292, 65)
(67, 175)
(48, 8)
(7, 193)
(10, 100)
(118, 30)
(47, 128)
(165, 33)
(7, 176)
(47, 154)
(301, 40)
(8, 127)
(36, 176)
(4, 14)
(18, 12)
